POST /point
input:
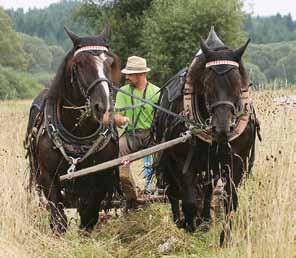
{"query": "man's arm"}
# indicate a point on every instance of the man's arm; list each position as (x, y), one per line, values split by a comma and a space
(120, 118)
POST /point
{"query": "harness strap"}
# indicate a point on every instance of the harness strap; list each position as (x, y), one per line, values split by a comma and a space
(188, 91)
(96, 144)
(188, 160)
(223, 102)
(58, 142)
(72, 161)
(135, 122)
(95, 82)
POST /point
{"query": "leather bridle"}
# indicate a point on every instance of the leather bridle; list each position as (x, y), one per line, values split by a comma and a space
(211, 107)
(86, 93)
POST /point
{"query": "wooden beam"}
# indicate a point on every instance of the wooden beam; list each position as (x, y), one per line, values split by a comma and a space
(128, 158)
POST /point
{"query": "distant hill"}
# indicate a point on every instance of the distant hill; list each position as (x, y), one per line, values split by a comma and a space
(277, 61)
(271, 56)
(270, 29)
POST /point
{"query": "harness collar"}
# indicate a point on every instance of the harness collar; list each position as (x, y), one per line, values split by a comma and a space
(222, 62)
(88, 48)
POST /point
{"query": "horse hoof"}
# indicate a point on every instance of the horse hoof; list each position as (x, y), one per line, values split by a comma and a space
(180, 223)
(204, 226)
(225, 237)
(190, 228)
(58, 230)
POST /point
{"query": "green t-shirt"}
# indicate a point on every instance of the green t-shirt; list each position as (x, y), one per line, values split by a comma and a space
(123, 101)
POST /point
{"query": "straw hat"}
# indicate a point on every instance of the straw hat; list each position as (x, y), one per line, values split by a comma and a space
(135, 64)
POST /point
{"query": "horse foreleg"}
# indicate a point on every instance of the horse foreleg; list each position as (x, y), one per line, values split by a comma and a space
(175, 210)
(206, 211)
(189, 206)
(230, 205)
(52, 192)
(89, 208)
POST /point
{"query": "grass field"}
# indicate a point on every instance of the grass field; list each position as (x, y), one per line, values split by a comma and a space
(264, 226)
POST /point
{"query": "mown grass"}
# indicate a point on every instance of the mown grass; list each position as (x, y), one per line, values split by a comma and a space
(264, 226)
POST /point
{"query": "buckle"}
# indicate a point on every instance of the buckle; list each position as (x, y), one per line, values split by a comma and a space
(73, 163)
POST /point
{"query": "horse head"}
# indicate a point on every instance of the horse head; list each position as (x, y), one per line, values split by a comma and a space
(91, 70)
(223, 79)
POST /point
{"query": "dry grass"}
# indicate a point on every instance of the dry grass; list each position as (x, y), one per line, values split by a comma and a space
(265, 225)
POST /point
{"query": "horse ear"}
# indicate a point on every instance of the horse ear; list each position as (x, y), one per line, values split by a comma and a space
(238, 53)
(106, 32)
(72, 36)
(205, 49)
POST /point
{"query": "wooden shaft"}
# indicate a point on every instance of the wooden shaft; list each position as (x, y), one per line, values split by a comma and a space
(127, 158)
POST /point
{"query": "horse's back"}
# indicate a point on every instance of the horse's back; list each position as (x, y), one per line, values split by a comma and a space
(36, 107)
(171, 92)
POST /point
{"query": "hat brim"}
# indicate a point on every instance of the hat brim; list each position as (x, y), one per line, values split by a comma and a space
(129, 71)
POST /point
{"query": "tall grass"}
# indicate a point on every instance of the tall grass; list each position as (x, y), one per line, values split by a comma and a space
(264, 226)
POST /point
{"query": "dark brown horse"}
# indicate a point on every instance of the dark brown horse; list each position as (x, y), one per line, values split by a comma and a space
(215, 100)
(70, 127)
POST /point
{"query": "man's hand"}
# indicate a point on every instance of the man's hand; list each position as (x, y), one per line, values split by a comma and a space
(120, 120)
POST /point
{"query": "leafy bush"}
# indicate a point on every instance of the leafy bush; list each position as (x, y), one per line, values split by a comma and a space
(17, 84)
(255, 74)
(43, 78)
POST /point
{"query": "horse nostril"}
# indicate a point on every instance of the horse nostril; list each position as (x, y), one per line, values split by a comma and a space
(99, 108)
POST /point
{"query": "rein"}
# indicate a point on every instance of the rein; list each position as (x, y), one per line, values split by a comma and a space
(181, 118)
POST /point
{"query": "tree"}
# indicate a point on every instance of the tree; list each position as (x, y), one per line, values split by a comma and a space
(39, 55)
(11, 51)
(269, 29)
(48, 23)
(58, 54)
(125, 18)
(172, 30)
(287, 67)
(275, 60)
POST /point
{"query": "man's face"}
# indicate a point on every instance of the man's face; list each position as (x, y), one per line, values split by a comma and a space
(133, 79)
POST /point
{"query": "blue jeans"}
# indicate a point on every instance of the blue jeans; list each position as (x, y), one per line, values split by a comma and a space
(148, 172)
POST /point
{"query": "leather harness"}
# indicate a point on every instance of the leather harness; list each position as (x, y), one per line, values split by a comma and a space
(73, 148)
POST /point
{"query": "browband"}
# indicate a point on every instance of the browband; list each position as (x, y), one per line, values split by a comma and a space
(87, 48)
(222, 62)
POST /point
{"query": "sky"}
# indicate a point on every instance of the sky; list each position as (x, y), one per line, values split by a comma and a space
(271, 7)
(257, 7)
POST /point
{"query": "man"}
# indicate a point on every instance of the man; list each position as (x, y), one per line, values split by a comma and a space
(137, 117)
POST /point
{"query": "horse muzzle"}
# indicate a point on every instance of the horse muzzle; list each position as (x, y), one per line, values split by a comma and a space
(98, 112)
(222, 130)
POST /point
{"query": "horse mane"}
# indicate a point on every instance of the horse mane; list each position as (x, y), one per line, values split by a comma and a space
(60, 80)
(57, 85)
(115, 66)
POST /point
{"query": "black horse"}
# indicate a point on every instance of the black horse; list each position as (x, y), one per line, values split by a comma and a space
(70, 127)
(213, 95)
